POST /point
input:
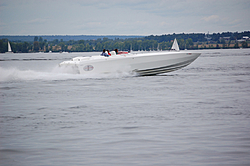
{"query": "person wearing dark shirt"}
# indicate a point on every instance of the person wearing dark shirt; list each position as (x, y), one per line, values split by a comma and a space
(116, 51)
(104, 53)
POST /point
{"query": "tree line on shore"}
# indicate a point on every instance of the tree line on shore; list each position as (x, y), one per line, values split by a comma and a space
(161, 42)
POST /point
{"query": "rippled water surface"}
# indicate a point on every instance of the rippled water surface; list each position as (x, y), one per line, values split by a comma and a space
(199, 115)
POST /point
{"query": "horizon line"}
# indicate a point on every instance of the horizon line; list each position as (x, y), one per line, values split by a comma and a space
(118, 34)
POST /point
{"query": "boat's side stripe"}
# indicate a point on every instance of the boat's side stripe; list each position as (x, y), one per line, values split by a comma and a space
(163, 69)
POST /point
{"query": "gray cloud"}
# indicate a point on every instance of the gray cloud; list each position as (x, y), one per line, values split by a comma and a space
(143, 17)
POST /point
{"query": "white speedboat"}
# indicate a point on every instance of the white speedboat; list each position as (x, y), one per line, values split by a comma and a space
(140, 63)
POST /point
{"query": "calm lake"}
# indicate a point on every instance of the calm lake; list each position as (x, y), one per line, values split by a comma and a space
(199, 115)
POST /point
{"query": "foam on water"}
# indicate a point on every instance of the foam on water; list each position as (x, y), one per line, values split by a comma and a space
(56, 73)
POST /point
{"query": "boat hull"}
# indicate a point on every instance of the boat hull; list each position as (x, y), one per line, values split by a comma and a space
(141, 64)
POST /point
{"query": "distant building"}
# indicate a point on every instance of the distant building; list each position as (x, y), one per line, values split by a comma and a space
(244, 38)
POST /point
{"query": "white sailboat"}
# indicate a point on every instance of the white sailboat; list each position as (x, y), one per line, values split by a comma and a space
(175, 46)
(9, 48)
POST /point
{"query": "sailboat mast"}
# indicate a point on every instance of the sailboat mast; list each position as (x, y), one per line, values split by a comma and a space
(9, 47)
(175, 46)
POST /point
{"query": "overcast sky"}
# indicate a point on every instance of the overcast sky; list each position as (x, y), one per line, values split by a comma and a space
(122, 17)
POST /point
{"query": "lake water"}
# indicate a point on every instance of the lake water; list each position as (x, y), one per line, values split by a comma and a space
(199, 115)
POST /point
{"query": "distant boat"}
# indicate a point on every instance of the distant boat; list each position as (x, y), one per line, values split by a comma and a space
(9, 48)
(175, 46)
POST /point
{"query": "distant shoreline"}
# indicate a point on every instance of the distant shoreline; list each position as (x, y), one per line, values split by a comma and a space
(214, 36)
(28, 38)
(90, 43)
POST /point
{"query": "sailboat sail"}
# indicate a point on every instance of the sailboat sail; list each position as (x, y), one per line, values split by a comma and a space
(175, 46)
(9, 47)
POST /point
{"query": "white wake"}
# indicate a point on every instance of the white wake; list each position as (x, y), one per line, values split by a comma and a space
(57, 73)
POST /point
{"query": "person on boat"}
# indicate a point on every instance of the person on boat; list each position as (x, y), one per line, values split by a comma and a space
(112, 53)
(108, 53)
(104, 53)
(116, 51)
(121, 52)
